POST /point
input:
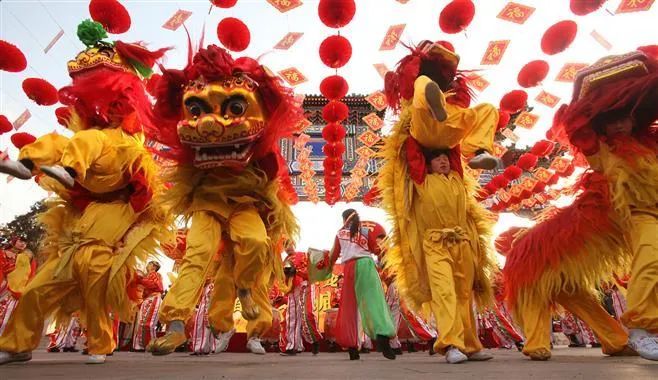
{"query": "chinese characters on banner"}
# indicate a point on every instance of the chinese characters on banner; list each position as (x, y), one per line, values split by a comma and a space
(569, 70)
(627, 6)
(292, 76)
(284, 6)
(288, 40)
(516, 13)
(494, 53)
(22, 119)
(526, 120)
(547, 99)
(392, 37)
(478, 82)
(177, 19)
(377, 99)
(368, 138)
(373, 121)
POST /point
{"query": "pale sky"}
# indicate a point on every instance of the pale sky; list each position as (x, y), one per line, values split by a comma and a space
(32, 24)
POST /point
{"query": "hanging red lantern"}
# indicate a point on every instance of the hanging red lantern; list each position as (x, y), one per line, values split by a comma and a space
(224, 3)
(542, 148)
(333, 132)
(5, 125)
(334, 149)
(334, 87)
(21, 139)
(335, 111)
(40, 91)
(233, 34)
(584, 7)
(500, 181)
(490, 188)
(512, 172)
(514, 101)
(539, 187)
(650, 50)
(63, 115)
(336, 13)
(503, 119)
(335, 51)
(532, 73)
(12, 58)
(558, 37)
(456, 16)
(111, 14)
(527, 161)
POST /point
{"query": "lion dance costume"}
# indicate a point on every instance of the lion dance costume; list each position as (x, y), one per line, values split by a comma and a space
(610, 227)
(102, 222)
(221, 119)
(440, 239)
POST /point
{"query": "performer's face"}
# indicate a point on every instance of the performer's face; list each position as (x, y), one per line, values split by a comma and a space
(622, 126)
(441, 164)
(150, 268)
(20, 245)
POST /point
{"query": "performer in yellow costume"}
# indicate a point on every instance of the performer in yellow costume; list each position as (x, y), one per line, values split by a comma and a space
(221, 120)
(611, 227)
(440, 251)
(106, 178)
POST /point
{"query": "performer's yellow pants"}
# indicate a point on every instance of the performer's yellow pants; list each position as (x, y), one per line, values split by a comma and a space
(534, 316)
(220, 312)
(451, 272)
(474, 128)
(91, 267)
(247, 233)
(642, 297)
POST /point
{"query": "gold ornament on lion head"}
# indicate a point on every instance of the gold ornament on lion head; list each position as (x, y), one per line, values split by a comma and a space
(222, 121)
(101, 55)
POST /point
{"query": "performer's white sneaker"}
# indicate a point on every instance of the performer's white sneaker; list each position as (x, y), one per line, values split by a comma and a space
(644, 343)
(96, 359)
(253, 345)
(223, 340)
(480, 356)
(8, 357)
(454, 356)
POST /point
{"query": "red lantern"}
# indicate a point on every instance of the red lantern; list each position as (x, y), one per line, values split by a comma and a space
(336, 13)
(333, 132)
(503, 119)
(21, 139)
(583, 7)
(512, 172)
(527, 161)
(456, 16)
(558, 37)
(542, 148)
(539, 187)
(334, 149)
(514, 101)
(490, 188)
(40, 91)
(233, 34)
(223, 3)
(650, 50)
(500, 181)
(335, 51)
(5, 125)
(334, 87)
(532, 73)
(63, 115)
(111, 14)
(12, 58)
(335, 111)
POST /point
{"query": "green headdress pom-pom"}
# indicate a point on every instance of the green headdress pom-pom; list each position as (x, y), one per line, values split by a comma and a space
(91, 32)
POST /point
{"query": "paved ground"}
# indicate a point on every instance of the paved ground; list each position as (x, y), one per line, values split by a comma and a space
(566, 364)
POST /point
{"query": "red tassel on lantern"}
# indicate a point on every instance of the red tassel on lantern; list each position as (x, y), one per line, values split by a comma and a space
(12, 58)
(111, 14)
(532, 73)
(63, 115)
(503, 119)
(40, 91)
(21, 139)
(336, 13)
(334, 87)
(514, 101)
(512, 172)
(456, 16)
(335, 51)
(558, 37)
(527, 161)
(5, 125)
(223, 3)
(584, 7)
(542, 148)
(233, 34)
(333, 132)
(335, 111)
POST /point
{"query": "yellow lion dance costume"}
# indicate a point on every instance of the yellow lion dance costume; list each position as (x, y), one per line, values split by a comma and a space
(441, 253)
(103, 221)
(221, 120)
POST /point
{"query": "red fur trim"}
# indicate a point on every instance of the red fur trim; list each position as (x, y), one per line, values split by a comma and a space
(141, 191)
(137, 53)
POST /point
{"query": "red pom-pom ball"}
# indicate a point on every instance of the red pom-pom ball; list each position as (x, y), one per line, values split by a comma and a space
(336, 13)
(503, 119)
(532, 73)
(111, 14)
(5, 125)
(334, 149)
(558, 37)
(583, 7)
(334, 87)
(40, 91)
(512, 172)
(335, 111)
(542, 148)
(514, 101)
(456, 16)
(21, 139)
(333, 132)
(12, 58)
(527, 161)
(223, 3)
(335, 51)
(233, 34)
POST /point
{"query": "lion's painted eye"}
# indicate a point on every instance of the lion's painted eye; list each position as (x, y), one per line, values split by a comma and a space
(235, 106)
(196, 107)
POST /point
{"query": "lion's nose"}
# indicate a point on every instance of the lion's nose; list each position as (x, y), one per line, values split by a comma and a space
(210, 128)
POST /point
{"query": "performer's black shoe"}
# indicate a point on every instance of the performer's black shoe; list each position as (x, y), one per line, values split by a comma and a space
(384, 346)
(397, 351)
(596, 345)
(315, 348)
(70, 349)
(431, 344)
(53, 349)
(85, 352)
(354, 354)
(519, 346)
(411, 348)
(288, 353)
(332, 347)
(365, 350)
